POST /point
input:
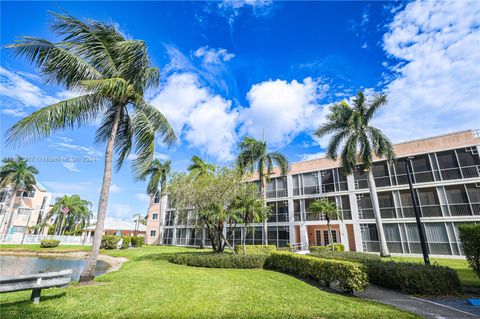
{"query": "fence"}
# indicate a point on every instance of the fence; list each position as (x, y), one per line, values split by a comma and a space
(36, 239)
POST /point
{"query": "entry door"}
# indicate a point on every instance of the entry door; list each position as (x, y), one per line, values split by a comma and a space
(318, 237)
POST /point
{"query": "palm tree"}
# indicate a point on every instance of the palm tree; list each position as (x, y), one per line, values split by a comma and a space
(251, 209)
(158, 179)
(111, 74)
(351, 125)
(198, 167)
(254, 157)
(72, 213)
(138, 219)
(329, 211)
(16, 173)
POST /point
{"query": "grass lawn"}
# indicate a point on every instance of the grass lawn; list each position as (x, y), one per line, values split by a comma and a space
(148, 286)
(466, 274)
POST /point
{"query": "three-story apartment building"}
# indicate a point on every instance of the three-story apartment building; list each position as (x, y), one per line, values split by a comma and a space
(446, 174)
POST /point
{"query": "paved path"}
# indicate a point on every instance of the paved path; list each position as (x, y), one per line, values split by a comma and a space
(434, 308)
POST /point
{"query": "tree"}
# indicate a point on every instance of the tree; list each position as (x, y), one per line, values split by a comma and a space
(17, 174)
(111, 74)
(329, 211)
(250, 208)
(255, 158)
(198, 167)
(470, 239)
(350, 126)
(138, 219)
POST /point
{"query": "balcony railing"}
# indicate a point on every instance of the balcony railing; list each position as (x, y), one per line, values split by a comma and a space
(425, 211)
(388, 212)
(310, 190)
(382, 181)
(366, 213)
(464, 209)
(361, 184)
(277, 194)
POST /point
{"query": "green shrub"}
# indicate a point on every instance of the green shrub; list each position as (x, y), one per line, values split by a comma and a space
(347, 276)
(49, 243)
(256, 249)
(346, 255)
(109, 242)
(414, 278)
(137, 241)
(470, 239)
(222, 260)
(126, 242)
(336, 247)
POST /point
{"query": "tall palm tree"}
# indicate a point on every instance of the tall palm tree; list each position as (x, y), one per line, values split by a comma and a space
(250, 208)
(72, 213)
(17, 174)
(138, 219)
(329, 211)
(198, 167)
(350, 125)
(111, 73)
(254, 157)
(158, 181)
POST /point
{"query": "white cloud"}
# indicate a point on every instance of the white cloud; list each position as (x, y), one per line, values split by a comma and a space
(311, 156)
(212, 55)
(280, 110)
(68, 188)
(120, 211)
(202, 118)
(143, 197)
(71, 166)
(437, 87)
(232, 8)
(66, 144)
(114, 188)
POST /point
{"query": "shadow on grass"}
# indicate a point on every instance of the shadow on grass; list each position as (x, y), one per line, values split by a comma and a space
(29, 303)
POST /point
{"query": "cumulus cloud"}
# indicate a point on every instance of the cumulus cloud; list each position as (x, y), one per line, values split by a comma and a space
(212, 55)
(279, 110)
(203, 119)
(114, 188)
(71, 166)
(120, 211)
(311, 156)
(143, 197)
(436, 88)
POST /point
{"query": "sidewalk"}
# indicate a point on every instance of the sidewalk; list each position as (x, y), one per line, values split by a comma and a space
(434, 308)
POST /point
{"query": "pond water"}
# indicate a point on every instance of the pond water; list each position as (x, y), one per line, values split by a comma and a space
(24, 265)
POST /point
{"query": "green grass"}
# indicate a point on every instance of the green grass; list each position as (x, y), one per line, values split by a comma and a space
(466, 274)
(147, 286)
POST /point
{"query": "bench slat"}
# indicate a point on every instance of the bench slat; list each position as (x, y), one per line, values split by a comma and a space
(48, 283)
(7, 279)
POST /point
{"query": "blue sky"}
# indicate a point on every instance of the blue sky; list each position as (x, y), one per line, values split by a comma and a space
(259, 68)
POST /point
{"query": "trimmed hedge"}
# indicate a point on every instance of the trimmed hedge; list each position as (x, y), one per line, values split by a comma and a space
(347, 276)
(347, 255)
(414, 278)
(137, 241)
(109, 242)
(222, 260)
(256, 249)
(49, 243)
(336, 247)
(126, 242)
(470, 239)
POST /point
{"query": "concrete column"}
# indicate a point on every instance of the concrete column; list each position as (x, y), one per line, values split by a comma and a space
(304, 236)
(357, 232)
(161, 217)
(344, 236)
(291, 213)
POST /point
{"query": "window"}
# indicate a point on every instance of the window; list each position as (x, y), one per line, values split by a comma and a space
(3, 196)
(326, 240)
(156, 199)
(154, 216)
(456, 194)
(44, 202)
(153, 233)
(18, 229)
(29, 194)
(24, 211)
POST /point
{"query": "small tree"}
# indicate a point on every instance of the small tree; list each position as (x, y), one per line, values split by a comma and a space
(329, 211)
(470, 239)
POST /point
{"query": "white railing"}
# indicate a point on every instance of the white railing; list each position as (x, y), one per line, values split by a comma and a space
(16, 238)
(299, 247)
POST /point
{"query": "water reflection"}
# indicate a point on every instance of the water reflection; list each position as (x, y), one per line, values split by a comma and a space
(24, 265)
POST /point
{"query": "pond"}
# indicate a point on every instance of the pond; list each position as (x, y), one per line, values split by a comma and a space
(24, 265)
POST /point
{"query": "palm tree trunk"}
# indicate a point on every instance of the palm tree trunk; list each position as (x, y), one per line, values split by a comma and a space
(25, 229)
(89, 272)
(330, 237)
(10, 217)
(378, 218)
(244, 239)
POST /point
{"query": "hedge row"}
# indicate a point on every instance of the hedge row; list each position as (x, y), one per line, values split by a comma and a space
(49, 243)
(256, 249)
(213, 260)
(414, 278)
(470, 239)
(346, 276)
(346, 255)
(336, 247)
(109, 242)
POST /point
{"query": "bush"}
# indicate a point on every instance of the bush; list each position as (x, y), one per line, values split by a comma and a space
(126, 242)
(470, 239)
(256, 249)
(109, 242)
(414, 278)
(137, 241)
(49, 243)
(347, 276)
(222, 260)
(346, 255)
(336, 247)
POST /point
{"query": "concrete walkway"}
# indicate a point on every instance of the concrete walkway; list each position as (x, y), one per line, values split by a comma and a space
(434, 308)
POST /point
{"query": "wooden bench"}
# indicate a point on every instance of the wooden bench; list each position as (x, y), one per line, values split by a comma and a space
(36, 282)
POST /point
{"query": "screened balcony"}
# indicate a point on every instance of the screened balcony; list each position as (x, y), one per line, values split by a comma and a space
(277, 187)
(278, 212)
(463, 200)
(429, 203)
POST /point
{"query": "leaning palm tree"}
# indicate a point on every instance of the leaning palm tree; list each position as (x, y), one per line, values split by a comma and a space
(17, 174)
(329, 211)
(110, 72)
(198, 167)
(350, 125)
(255, 158)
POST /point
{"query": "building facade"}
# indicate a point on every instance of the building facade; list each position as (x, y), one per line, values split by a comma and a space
(446, 174)
(27, 210)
